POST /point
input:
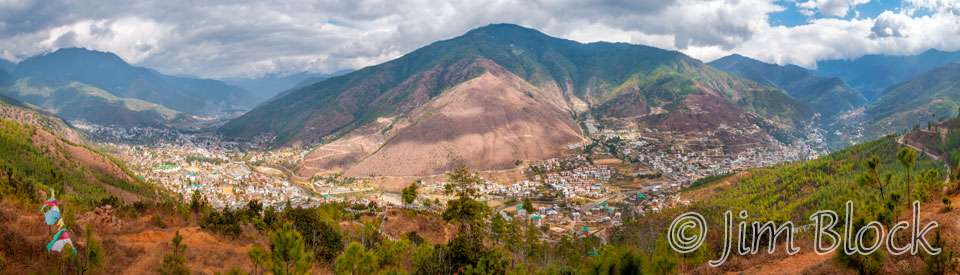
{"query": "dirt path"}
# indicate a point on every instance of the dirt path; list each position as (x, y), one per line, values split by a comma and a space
(205, 253)
(795, 264)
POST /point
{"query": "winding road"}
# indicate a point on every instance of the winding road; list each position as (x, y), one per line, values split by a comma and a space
(901, 141)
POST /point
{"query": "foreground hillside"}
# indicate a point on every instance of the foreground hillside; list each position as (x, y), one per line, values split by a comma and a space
(19, 112)
(37, 158)
(464, 237)
(792, 192)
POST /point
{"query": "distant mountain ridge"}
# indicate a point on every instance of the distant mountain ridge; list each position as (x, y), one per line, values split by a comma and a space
(929, 97)
(110, 73)
(7, 65)
(594, 73)
(5, 78)
(268, 86)
(78, 101)
(384, 109)
(873, 74)
(830, 96)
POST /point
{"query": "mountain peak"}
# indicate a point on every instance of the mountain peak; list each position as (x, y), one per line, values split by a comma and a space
(735, 58)
(504, 29)
(84, 54)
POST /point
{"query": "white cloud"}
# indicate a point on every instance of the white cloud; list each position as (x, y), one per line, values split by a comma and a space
(835, 8)
(229, 38)
(133, 39)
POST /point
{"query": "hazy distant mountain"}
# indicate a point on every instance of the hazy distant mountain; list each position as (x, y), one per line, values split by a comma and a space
(78, 101)
(110, 73)
(7, 65)
(828, 95)
(931, 96)
(5, 78)
(443, 104)
(219, 96)
(873, 74)
(270, 85)
(317, 78)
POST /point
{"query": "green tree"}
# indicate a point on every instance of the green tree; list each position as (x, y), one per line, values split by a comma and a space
(872, 178)
(89, 258)
(528, 205)
(318, 232)
(196, 202)
(356, 261)
(497, 226)
(288, 252)
(513, 241)
(494, 262)
(664, 259)
(425, 260)
(464, 250)
(534, 247)
(93, 256)
(260, 259)
(253, 209)
(464, 209)
(390, 254)
(907, 157)
(613, 260)
(231, 271)
(410, 193)
(175, 263)
(943, 263)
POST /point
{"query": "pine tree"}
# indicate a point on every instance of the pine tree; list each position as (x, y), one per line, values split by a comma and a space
(288, 252)
(872, 177)
(175, 263)
(907, 157)
(942, 263)
(465, 209)
(356, 261)
(497, 226)
(528, 205)
(89, 258)
(409, 194)
(260, 259)
(196, 201)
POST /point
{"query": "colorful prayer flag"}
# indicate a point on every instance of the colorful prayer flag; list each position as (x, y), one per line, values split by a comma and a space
(53, 215)
(61, 239)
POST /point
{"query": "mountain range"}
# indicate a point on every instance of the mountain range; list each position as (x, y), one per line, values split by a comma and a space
(501, 93)
(829, 96)
(6, 65)
(446, 102)
(5, 78)
(110, 73)
(873, 74)
(77, 101)
(267, 86)
(932, 96)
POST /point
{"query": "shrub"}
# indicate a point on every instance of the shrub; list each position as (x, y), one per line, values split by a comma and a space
(224, 222)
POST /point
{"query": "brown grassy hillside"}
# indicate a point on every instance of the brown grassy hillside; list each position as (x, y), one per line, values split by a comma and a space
(486, 123)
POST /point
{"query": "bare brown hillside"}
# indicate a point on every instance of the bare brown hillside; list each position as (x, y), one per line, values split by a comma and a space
(486, 123)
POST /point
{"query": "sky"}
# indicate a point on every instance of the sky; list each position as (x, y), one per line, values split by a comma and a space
(221, 39)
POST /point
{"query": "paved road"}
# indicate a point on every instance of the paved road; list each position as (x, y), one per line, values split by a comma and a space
(900, 140)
